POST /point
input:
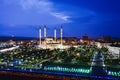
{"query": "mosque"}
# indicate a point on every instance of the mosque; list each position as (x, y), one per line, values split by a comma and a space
(51, 42)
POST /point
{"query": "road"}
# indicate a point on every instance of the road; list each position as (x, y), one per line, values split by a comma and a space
(9, 49)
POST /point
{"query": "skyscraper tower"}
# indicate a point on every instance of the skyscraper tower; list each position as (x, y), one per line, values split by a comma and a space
(44, 31)
(61, 34)
(40, 35)
(55, 33)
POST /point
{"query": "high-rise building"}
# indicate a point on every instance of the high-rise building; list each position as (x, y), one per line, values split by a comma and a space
(84, 37)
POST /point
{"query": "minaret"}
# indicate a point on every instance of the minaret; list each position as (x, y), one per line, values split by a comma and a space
(61, 34)
(44, 31)
(119, 53)
(55, 33)
(40, 35)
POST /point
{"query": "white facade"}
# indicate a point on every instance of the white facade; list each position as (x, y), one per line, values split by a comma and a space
(115, 51)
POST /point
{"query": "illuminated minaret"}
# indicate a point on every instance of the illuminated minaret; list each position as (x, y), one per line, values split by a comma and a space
(55, 33)
(44, 31)
(40, 35)
(61, 34)
(119, 53)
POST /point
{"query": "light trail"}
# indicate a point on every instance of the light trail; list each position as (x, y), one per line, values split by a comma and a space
(9, 49)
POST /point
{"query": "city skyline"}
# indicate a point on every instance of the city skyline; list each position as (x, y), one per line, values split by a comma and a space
(94, 18)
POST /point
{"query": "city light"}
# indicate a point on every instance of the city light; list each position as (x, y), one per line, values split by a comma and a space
(64, 69)
(113, 73)
(60, 39)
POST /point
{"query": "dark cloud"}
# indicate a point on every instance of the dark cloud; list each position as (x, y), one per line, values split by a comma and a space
(78, 17)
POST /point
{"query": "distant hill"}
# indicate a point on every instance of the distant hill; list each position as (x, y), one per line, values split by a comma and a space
(7, 38)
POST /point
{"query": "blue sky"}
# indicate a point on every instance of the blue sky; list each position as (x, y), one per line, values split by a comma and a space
(79, 17)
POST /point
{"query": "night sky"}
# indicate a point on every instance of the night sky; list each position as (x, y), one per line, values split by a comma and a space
(78, 17)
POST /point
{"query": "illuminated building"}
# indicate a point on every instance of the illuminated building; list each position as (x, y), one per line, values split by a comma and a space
(85, 39)
(51, 42)
(105, 39)
(115, 51)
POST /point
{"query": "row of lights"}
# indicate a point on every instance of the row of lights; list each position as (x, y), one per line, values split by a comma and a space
(64, 69)
(111, 73)
(114, 73)
(77, 70)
